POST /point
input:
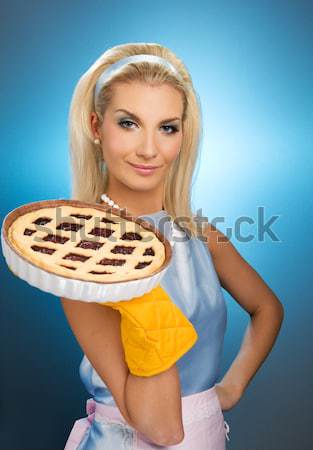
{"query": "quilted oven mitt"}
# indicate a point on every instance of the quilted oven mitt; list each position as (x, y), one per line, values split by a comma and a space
(154, 331)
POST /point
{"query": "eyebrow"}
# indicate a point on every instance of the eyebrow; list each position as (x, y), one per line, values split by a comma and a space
(137, 118)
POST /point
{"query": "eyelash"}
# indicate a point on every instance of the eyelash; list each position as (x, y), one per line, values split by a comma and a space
(174, 128)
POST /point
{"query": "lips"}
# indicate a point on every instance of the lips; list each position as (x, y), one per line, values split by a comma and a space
(141, 166)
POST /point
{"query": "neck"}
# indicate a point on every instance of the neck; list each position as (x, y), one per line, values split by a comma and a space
(136, 202)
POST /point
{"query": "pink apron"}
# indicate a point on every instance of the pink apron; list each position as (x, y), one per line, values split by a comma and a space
(203, 420)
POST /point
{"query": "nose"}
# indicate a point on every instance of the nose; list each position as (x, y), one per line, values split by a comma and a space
(148, 147)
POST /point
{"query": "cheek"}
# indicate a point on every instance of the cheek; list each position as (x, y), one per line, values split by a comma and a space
(115, 141)
(172, 148)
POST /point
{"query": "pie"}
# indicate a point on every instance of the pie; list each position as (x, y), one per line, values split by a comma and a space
(87, 242)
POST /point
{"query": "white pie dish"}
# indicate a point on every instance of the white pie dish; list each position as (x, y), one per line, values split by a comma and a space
(69, 287)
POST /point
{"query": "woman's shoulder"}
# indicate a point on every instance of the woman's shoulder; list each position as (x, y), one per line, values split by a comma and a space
(214, 239)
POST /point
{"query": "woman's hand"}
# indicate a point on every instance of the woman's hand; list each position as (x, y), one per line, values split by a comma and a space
(228, 396)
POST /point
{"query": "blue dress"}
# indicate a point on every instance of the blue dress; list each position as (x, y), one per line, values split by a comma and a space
(192, 283)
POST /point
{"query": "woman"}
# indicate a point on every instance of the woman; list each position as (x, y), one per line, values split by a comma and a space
(136, 106)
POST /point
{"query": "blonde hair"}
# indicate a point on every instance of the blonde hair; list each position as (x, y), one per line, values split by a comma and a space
(89, 172)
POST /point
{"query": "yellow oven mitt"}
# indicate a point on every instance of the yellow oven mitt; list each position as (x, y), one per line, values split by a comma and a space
(154, 331)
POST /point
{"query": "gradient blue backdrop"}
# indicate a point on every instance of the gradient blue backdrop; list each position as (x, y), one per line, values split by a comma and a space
(251, 64)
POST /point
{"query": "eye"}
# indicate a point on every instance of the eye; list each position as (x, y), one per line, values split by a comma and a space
(122, 122)
(127, 124)
(173, 128)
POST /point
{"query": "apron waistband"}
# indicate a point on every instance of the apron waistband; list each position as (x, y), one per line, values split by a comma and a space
(194, 406)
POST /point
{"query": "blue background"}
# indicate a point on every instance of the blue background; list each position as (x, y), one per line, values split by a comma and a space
(251, 64)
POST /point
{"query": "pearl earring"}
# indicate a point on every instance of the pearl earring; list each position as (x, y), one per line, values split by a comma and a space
(97, 141)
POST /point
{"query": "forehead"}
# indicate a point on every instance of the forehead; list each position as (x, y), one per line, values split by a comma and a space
(136, 97)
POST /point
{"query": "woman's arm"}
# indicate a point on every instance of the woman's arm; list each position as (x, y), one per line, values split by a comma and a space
(152, 405)
(154, 401)
(266, 312)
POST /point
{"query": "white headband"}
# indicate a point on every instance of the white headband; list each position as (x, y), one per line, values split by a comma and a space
(107, 73)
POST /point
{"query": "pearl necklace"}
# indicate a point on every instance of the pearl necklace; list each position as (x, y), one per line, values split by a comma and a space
(111, 203)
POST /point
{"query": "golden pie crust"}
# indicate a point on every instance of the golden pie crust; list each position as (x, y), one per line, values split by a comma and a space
(86, 241)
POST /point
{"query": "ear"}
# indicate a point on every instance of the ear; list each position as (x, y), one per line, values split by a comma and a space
(94, 123)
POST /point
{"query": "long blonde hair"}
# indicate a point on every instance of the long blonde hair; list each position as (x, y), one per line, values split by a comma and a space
(89, 172)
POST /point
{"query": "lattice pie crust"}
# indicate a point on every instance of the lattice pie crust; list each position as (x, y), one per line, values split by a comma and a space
(87, 244)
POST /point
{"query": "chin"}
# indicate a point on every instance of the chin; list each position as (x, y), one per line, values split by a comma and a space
(141, 185)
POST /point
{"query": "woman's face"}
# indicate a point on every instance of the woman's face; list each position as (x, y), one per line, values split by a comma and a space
(141, 126)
